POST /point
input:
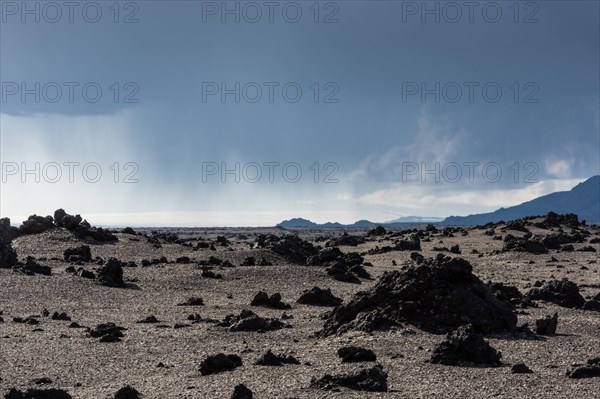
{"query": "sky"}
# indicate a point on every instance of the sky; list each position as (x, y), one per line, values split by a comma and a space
(196, 113)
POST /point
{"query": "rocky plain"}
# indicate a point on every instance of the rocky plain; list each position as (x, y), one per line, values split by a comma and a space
(505, 310)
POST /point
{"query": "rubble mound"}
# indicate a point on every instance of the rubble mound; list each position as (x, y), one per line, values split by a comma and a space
(219, 363)
(563, 292)
(437, 295)
(464, 345)
(373, 379)
(319, 297)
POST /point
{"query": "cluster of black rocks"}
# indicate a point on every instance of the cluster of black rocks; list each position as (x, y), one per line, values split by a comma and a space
(542, 244)
(345, 239)
(294, 249)
(562, 292)
(346, 267)
(39, 224)
(109, 274)
(412, 243)
(107, 332)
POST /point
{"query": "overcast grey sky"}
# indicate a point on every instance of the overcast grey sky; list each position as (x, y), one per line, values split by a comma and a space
(358, 96)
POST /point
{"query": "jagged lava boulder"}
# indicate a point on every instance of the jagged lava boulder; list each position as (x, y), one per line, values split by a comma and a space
(111, 274)
(465, 346)
(219, 363)
(373, 379)
(81, 253)
(437, 295)
(319, 297)
(8, 256)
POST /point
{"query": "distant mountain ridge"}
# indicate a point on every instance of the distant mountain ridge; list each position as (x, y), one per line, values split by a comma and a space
(361, 224)
(582, 200)
(300, 222)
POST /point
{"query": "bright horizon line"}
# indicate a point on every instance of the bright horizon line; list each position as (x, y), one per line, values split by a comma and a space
(213, 219)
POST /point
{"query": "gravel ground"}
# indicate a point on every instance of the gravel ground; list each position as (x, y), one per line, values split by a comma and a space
(91, 369)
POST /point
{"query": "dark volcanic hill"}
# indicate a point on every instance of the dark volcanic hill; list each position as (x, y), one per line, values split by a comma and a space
(582, 200)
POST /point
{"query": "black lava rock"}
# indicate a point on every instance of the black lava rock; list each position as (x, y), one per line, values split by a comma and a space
(241, 392)
(127, 392)
(219, 363)
(111, 274)
(353, 354)
(273, 301)
(520, 368)
(271, 359)
(373, 379)
(589, 370)
(319, 297)
(464, 345)
(546, 325)
(38, 394)
(249, 321)
(78, 254)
